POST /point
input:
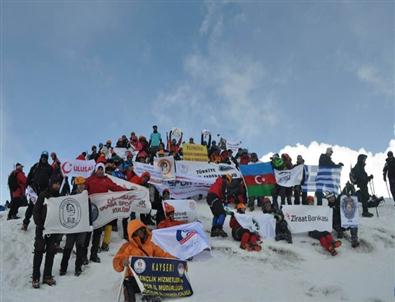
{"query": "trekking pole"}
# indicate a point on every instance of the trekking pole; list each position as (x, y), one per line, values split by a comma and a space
(121, 285)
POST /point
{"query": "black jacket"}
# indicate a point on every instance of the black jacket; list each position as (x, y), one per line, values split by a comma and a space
(389, 168)
(326, 161)
(38, 177)
(359, 172)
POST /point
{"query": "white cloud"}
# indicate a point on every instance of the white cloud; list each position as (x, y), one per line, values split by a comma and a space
(374, 163)
(371, 75)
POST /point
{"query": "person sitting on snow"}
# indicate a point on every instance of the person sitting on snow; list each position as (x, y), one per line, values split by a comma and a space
(139, 244)
(325, 238)
(169, 220)
(282, 231)
(248, 240)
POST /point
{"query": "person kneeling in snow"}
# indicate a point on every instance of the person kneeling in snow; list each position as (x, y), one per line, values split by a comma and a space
(169, 220)
(249, 240)
(282, 231)
(139, 244)
(325, 238)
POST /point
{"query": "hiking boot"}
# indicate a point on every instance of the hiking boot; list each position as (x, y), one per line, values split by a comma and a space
(49, 281)
(340, 235)
(355, 243)
(95, 259)
(78, 272)
(222, 233)
(85, 261)
(367, 214)
(214, 232)
(255, 247)
(105, 247)
(62, 273)
(245, 246)
(332, 251)
(24, 227)
(36, 283)
(336, 243)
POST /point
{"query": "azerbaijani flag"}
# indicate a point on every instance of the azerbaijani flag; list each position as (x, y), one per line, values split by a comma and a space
(259, 179)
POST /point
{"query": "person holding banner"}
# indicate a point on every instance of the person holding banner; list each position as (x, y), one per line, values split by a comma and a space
(248, 240)
(169, 220)
(77, 238)
(98, 183)
(215, 200)
(44, 244)
(139, 244)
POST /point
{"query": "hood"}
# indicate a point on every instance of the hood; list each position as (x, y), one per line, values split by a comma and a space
(361, 157)
(133, 226)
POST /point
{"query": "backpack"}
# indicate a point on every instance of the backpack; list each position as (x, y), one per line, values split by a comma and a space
(353, 177)
(13, 181)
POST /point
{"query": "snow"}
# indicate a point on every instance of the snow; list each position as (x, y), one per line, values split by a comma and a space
(301, 271)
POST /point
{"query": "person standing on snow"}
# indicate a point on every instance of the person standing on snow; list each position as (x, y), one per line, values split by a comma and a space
(361, 180)
(154, 142)
(389, 169)
(37, 179)
(326, 161)
(44, 244)
(17, 191)
(215, 200)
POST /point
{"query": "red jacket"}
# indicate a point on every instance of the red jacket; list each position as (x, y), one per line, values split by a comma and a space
(21, 179)
(81, 157)
(167, 223)
(218, 188)
(138, 180)
(95, 184)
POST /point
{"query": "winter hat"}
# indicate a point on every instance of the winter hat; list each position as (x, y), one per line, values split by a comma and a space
(329, 195)
(44, 154)
(390, 154)
(79, 180)
(98, 165)
(329, 150)
(18, 165)
(241, 206)
(310, 200)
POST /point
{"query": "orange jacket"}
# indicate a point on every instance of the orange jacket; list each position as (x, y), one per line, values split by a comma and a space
(134, 247)
(167, 223)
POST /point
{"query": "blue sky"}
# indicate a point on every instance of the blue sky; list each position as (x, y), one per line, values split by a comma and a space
(269, 73)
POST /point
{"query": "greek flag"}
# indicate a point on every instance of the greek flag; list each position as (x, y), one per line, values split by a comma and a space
(321, 179)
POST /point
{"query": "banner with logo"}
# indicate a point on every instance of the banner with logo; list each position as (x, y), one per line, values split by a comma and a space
(114, 205)
(303, 218)
(167, 166)
(263, 224)
(162, 277)
(289, 178)
(233, 145)
(76, 167)
(203, 172)
(195, 152)
(349, 211)
(155, 172)
(67, 214)
(183, 189)
(31, 195)
(176, 133)
(184, 210)
(122, 152)
(182, 241)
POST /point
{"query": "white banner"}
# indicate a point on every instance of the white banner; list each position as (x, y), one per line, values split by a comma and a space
(263, 224)
(182, 241)
(349, 211)
(184, 210)
(76, 167)
(176, 134)
(183, 189)
(31, 195)
(156, 173)
(233, 145)
(113, 205)
(167, 166)
(67, 214)
(289, 178)
(203, 172)
(303, 218)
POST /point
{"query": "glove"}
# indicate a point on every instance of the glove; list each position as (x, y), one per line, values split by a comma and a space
(232, 214)
(370, 177)
(341, 164)
(125, 262)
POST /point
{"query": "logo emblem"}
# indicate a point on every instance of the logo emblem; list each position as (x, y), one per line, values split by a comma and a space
(349, 207)
(139, 266)
(69, 213)
(183, 236)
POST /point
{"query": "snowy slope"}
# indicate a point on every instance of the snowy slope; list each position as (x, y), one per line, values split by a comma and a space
(280, 272)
